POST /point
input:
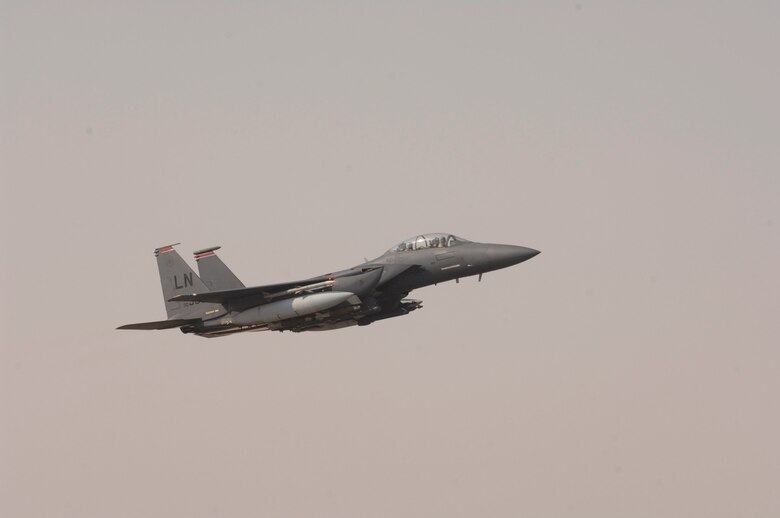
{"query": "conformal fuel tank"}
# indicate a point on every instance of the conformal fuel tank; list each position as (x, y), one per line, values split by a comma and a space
(288, 308)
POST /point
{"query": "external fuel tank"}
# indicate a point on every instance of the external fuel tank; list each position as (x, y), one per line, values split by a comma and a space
(288, 308)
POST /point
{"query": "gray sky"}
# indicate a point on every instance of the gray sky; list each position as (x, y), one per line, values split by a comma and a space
(632, 369)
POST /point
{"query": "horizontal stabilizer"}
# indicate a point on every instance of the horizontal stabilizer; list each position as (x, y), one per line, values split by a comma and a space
(161, 324)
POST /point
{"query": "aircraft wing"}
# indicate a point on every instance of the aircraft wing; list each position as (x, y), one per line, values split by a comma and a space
(260, 294)
(267, 291)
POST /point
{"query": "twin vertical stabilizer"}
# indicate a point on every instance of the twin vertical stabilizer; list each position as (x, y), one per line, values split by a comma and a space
(177, 278)
(213, 271)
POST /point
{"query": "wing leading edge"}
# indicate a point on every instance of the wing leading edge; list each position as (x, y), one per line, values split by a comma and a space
(267, 291)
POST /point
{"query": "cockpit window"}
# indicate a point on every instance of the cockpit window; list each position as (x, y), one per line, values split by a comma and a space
(428, 241)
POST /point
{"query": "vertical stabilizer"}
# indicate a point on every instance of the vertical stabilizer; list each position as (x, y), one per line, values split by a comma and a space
(213, 271)
(177, 278)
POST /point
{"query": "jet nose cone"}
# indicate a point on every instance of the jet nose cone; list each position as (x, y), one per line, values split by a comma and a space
(507, 255)
(529, 252)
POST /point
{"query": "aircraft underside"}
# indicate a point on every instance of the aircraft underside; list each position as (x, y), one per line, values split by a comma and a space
(344, 315)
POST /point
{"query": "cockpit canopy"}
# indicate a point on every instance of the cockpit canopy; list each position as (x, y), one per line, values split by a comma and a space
(421, 242)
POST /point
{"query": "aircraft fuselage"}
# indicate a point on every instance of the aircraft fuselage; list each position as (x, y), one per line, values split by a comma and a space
(216, 303)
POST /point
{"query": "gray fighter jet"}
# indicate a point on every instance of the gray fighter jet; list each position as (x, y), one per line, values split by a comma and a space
(217, 303)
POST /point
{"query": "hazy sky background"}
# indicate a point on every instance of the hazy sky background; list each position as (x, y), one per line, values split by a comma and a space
(632, 369)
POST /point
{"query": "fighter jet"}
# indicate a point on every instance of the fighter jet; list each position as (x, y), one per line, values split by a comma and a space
(217, 303)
